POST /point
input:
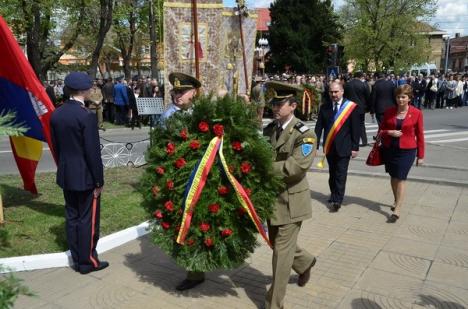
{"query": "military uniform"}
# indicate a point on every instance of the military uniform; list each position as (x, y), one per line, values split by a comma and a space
(294, 146)
(80, 173)
(180, 82)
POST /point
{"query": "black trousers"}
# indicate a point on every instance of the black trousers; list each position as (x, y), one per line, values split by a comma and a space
(362, 124)
(379, 117)
(82, 213)
(338, 172)
(440, 100)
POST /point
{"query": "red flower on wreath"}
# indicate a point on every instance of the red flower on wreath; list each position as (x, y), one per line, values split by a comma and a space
(155, 190)
(203, 126)
(245, 167)
(209, 242)
(160, 170)
(183, 134)
(194, 144)
(170, 148)
(170, 185)
(248, 191)
(169, 206)
(158, 214)
(218, 129)
(204, 227)
(223, 190)
(165, 225)
(214, 208)
(180, 163)
(236, 146)
(226, 232)
(190, 242)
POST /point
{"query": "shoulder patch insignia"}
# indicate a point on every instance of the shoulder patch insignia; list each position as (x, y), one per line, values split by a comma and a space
(307, 149)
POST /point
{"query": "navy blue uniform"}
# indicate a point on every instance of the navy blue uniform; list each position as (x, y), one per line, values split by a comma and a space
(76, 141)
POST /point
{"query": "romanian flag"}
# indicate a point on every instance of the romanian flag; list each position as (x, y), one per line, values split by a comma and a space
(21, 92)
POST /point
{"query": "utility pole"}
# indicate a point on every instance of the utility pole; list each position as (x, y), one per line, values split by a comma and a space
(447, 48)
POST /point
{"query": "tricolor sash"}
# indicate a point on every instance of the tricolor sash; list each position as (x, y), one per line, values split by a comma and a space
(197, 182)
(341, 116)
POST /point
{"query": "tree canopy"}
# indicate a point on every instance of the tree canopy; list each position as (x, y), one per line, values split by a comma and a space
(386, 34)
(300, 32)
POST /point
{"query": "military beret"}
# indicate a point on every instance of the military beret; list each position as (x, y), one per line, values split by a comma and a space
(281, 91)
(78, 81)
(181, 81)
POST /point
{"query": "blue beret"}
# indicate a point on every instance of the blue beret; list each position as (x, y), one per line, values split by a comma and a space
(78, 81)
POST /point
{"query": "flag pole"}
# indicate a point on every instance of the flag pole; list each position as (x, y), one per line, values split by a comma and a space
(195, 31)
(240, 9)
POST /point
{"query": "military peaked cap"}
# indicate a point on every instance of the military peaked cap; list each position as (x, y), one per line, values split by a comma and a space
(181, 81)
(280, 91)
(78, 81)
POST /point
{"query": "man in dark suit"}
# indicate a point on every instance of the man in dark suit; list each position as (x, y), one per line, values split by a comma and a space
(358, 92)
(80, 174)
(382, 96)
(344, 145)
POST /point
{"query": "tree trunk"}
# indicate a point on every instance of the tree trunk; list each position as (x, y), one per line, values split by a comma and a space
(127, 51)
(153, 38)
(105, 23)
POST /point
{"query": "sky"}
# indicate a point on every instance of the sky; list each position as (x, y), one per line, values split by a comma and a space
(451, 15)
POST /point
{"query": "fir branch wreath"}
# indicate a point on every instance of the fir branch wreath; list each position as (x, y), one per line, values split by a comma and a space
(221, 234)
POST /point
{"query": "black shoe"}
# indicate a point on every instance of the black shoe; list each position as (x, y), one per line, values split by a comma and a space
(305, 276)
(393, 218)
(102, 265)
(364, 145)
(188, 284)
(335, 207)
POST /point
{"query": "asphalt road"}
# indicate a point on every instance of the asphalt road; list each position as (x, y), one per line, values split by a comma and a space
(446, 133)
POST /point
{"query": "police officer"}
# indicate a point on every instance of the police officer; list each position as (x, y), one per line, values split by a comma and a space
(184, 89)
(294, 146)
(80, 174)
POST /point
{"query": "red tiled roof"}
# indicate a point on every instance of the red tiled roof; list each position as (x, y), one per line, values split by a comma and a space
(264, 19)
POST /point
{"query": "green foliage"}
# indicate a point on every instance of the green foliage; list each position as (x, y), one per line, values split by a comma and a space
(8, 126)
(10, 288)
(386, 34)
(240, 125)
(300, 31)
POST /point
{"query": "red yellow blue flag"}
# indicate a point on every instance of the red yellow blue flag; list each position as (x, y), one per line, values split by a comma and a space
(21, 92)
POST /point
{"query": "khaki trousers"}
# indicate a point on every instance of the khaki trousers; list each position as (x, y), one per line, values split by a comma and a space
(287, 255)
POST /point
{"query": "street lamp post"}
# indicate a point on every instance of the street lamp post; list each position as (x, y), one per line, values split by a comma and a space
(447, 48)
(263, 46)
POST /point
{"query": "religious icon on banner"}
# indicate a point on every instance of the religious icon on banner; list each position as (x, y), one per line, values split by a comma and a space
(187, 49)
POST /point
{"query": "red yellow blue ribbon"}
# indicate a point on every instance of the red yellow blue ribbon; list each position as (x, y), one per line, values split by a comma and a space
(197, 182)
(342, 115)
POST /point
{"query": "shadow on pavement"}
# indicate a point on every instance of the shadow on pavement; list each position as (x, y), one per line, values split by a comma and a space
(430, 301)
(153, 266)
(364, 303)
(369, 204)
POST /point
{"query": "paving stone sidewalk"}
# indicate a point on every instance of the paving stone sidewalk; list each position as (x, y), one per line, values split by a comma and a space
(363, 262)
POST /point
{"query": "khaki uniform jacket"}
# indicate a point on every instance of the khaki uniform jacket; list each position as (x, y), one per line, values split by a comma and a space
(293, 158)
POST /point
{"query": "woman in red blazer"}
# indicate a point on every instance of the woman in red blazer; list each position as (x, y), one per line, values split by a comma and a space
(402, 132)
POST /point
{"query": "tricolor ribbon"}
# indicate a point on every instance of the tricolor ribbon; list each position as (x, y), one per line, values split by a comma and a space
(340, 118)
(197, 182)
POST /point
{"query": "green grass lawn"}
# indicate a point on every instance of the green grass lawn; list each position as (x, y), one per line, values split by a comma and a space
(36, 225)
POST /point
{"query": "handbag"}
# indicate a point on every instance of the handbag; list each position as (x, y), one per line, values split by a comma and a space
(375, 155)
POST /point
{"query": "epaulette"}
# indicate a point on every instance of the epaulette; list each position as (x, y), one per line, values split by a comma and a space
(301, 127)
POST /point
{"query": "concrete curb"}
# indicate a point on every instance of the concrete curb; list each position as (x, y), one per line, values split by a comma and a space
(63, 259)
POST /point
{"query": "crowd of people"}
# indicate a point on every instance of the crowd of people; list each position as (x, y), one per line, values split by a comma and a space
(113, 100)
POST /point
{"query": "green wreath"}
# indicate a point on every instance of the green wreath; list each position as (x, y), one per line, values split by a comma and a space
(221, 234)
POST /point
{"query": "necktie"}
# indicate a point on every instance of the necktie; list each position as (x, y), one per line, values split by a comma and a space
(279, 129)
(335, 109)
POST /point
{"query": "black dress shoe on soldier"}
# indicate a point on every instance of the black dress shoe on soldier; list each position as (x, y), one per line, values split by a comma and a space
(305, 277)
(188, 284)
(102, 265)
